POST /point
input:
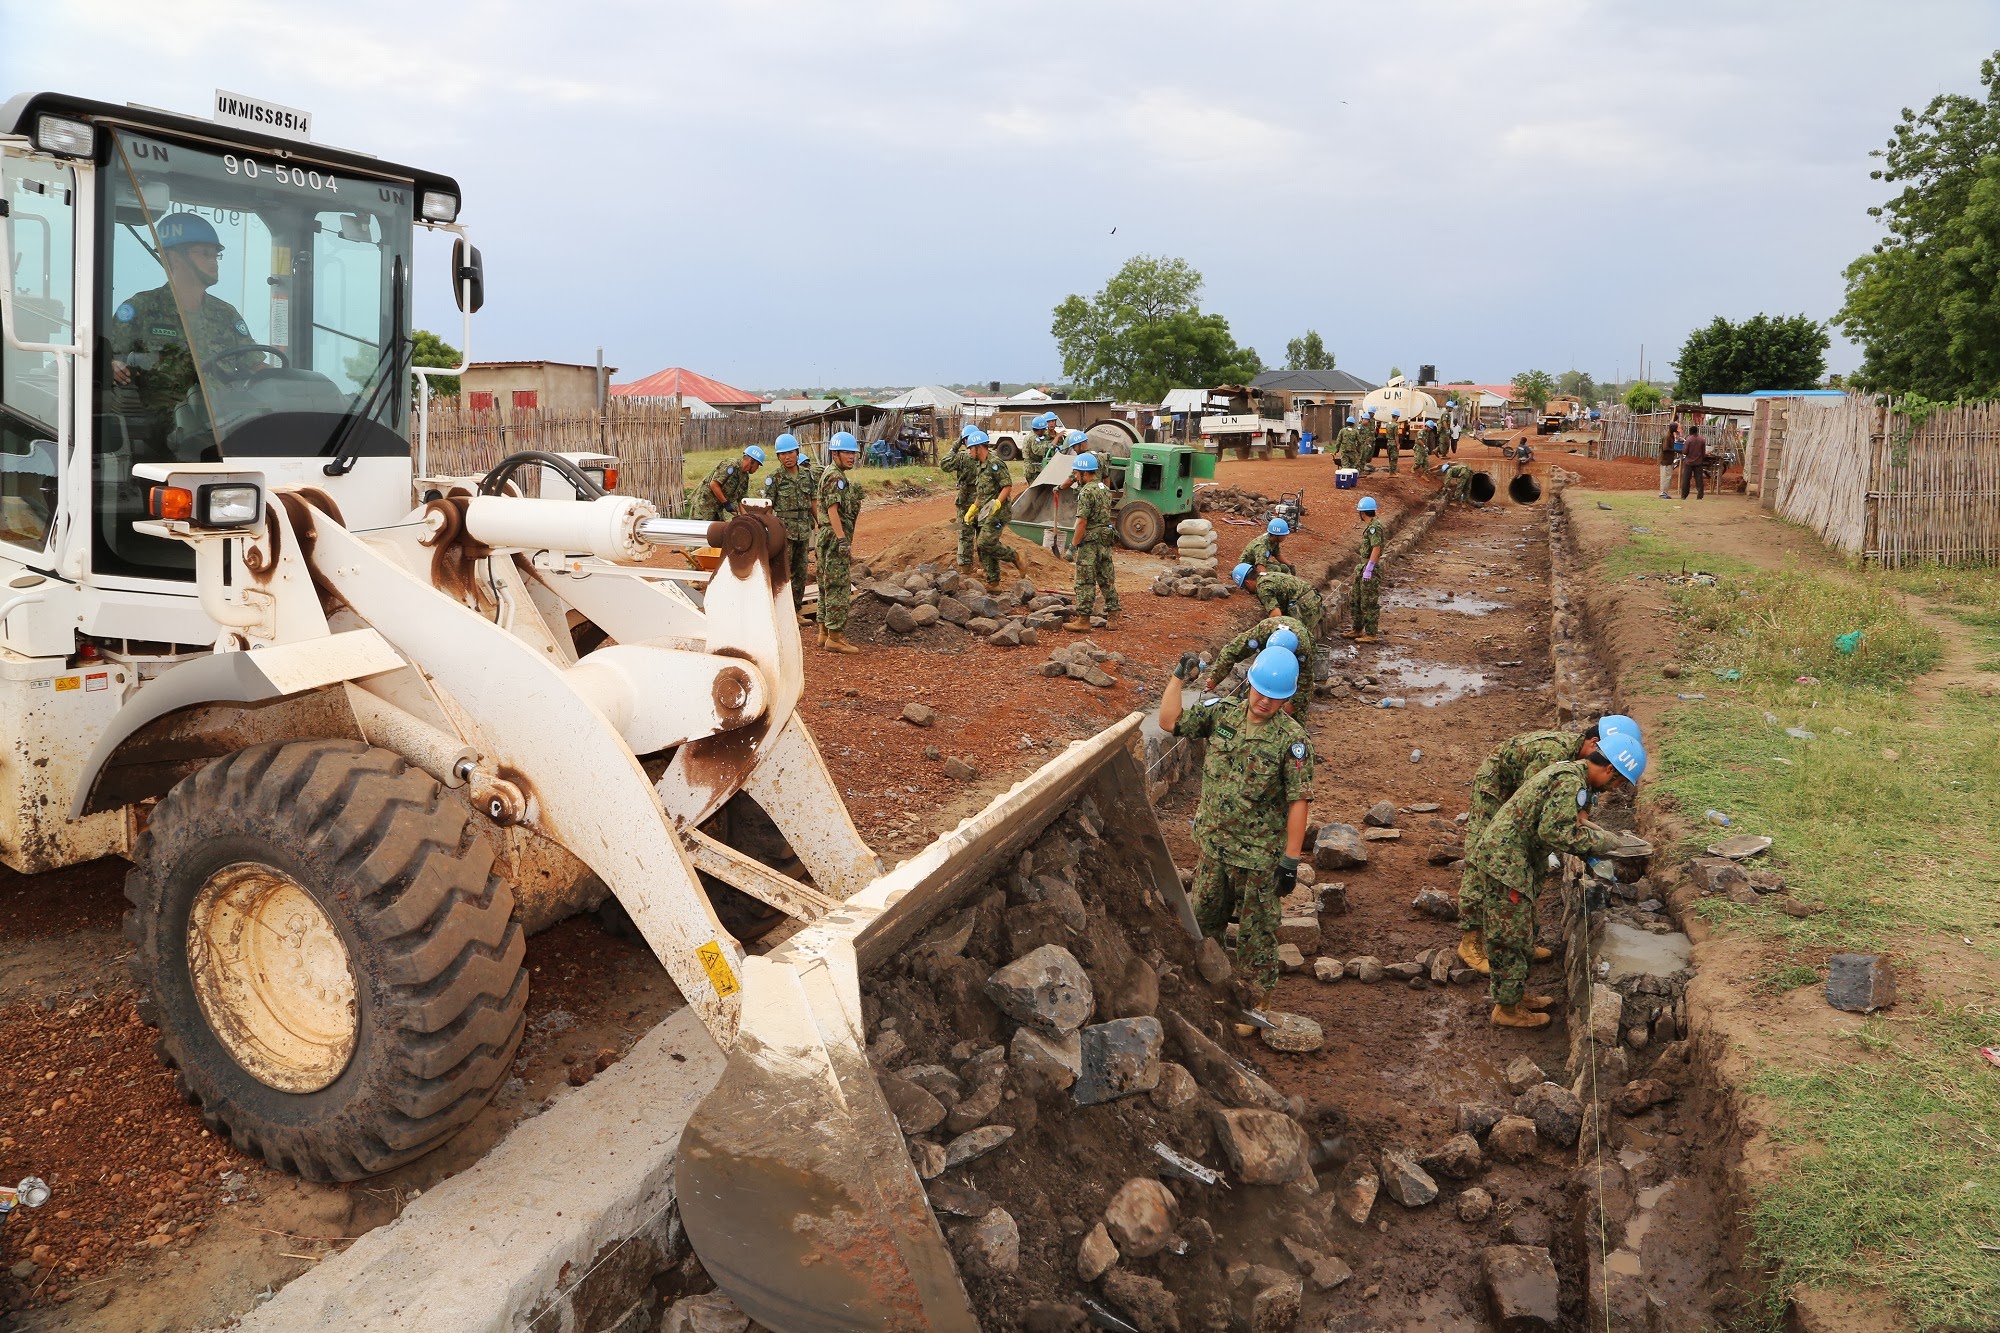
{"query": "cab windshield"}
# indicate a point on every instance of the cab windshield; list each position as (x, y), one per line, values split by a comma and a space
(253, 308)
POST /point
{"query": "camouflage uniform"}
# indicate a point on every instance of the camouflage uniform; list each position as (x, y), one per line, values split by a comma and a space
(1251, 641)
(735, 483)
(151, 323)
(1292, 596)
(1397, 439)
(1262, 555)
(1458, 483)
(1039, 448)
(1421, 448)
(1365, 601)
(1093, 553)
(961, 464)
(1518, 759)
(1348, 445)
(790, 491)
(991, 478)
(1249, 780)
(1509, 857)
(837, 491)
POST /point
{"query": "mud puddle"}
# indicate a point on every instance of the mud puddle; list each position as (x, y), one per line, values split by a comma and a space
(1429, 683)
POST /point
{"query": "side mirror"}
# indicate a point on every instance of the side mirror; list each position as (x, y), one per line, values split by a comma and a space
(468, 277)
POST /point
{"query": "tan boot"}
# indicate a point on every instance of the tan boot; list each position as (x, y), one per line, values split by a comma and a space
(804, 619)
(822, 636)
(836, 642)
(1518, 1016)
(1543, 953)
(1364, 638)
(1538, 1002)
(1079, 624)
(1473, 953)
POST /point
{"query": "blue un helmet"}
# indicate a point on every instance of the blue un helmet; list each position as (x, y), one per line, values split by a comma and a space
(1615, 722)
(967, 431)
(1076, 439)
(843, 443)
(1275, 674)
(1625, 754)
(1085, 462)
(1044, 420)
(1367, 505)
(1350, 421)
(1278, 528)
(976, 438)
(787, 443)
(1240, 573)
(177, 229)
(1284, 638)
(756, 452)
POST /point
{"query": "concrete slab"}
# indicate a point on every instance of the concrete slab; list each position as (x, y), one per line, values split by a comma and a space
(513, 1238)
(1639, 953)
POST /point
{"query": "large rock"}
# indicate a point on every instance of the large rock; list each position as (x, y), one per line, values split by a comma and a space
(1293, 1033)
(1096, 1255)
(1119, 1058)
(1718, 875)
(1326, 1271)
(1607, 1015)
(922, 616)
(899, 620)
(981, 1102)
(1513, 1139)
(1328, 969)
(1382, 814)
(1476, 1118)
(1457, 1158)
(927, 1157)
(1264, 1147)
(1355, 1189)
(1475, 1205)
(1140, 1217)
(1637, 1096)
(953, 611)
(1300, 931)
(710, 1312)
(1268, 1300)
(975, 1143)
(1365, 968)
(1290, 959)
(1521, 1288)
(1339, 847)
(992, 1245)
(920, 715)
(1047, 988)
(1860, 983)
(1218, 1072)
(1007, 636)
(1143, 1300)
(915, 1109)
(1523, 1073)
(1176, 1087)
(1406, 1182)
(1043, 1063)
(1433, 903)
(1212, 961)
(1557, 1113)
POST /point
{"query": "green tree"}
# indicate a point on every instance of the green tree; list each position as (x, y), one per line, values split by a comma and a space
(1762, 352)
(1644, 397)
(1395, 372)
(1579, 385)
(1925, 303)
(427, 349)
(1535, 388)
(1308, 353)
(1144, 333)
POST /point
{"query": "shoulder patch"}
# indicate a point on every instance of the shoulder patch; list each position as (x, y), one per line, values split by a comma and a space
(125, 313)
(1298, 749)
(840, 484)
(242, 328)
(1583, 798)
(1211, 701)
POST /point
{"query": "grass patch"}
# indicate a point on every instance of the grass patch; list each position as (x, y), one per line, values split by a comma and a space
(1788, 978)
(1897, 1185)
(1775, 628)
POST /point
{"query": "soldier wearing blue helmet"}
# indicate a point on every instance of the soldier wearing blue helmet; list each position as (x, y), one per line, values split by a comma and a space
(1043, 443)
(1263, 551)
(1092, 540)
(790, 493)
(837, 506)
(1256, 795)
(164, 340)
(723, 489)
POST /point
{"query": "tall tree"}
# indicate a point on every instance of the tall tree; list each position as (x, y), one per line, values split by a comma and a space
(1535, 388)
(1762, 352)
(1643, 397)
(1579, 385)
(1925, 303)
(427, 349)
(1144, 333)
(1308, 353)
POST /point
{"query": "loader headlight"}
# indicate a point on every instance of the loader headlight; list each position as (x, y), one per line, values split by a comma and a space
(438, 206)
(64, 137)
(228, 504)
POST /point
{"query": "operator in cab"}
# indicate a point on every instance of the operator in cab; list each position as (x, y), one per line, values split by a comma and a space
(159, 337)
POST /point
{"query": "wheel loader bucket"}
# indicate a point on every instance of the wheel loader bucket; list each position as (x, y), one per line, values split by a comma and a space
(794, 1181)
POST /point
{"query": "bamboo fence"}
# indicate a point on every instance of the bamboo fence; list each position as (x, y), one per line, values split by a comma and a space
(646, 438)
(1877, 485)
(1629, 434)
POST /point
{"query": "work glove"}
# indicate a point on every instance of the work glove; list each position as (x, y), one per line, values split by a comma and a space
(1368, 570)
(971, 510)
(1189, 669)
(992, 508)
(1288, 874)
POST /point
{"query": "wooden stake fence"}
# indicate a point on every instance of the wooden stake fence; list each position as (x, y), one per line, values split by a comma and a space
(645, 437)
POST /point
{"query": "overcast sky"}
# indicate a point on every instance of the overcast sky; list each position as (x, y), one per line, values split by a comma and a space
(777, 192)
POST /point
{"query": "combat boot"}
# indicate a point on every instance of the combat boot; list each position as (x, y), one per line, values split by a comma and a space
(836, 642)
(1518, 1016)
(1473, 953)
(1077, 624)
(804, 619)
(1538, 1002)
(1543, 953)
(822, 636)
(1364, 638)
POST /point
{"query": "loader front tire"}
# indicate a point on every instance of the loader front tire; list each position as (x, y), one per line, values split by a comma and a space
(334, 971)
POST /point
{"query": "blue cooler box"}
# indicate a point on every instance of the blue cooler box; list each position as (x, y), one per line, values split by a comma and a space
(1346, 479)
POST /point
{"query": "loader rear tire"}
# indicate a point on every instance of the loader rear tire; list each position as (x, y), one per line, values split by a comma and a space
(334, 970)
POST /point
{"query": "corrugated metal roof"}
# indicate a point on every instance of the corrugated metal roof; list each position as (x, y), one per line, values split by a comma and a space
(1313, 381)
(926, 395)
(677, 380)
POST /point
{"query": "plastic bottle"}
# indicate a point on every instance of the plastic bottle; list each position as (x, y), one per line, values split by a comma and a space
(1393, 701)
(1717, 817)
(1416, 756)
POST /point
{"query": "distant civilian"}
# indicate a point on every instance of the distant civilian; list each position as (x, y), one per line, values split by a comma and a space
(1691, 465)
(1670, 454)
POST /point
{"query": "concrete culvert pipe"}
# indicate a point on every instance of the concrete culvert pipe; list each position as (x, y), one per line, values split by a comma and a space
(1524, 490)
(1481, 488)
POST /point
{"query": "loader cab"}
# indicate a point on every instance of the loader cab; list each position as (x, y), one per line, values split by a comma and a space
(230, 296)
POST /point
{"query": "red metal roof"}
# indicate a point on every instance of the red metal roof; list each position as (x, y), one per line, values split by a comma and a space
(675, 380)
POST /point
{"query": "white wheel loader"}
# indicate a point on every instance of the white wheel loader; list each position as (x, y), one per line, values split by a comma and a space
(359, 729)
